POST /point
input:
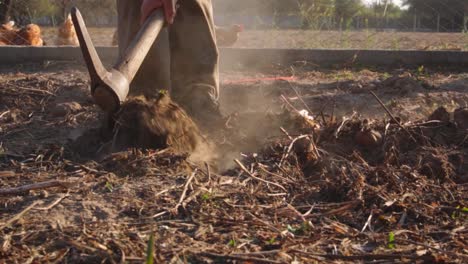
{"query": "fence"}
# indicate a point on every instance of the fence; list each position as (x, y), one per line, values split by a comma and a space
(311, 24)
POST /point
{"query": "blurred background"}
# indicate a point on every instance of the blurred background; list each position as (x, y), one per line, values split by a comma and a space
(322, 24)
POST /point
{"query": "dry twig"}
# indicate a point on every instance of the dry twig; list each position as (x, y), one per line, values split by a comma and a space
(36, 186)
(237, 257)
(257, 178)
(18, 216)
(52, 205)
(184, 192)
(392, 116)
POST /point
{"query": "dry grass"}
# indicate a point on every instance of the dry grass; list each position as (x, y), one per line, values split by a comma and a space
(354, 40)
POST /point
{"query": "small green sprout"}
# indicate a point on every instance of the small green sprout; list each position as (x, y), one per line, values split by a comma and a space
(292, 229)
(109, 186)
(421, 70)
(232, 243)
(162, 92)
(271, 241)
(206, 197)
(150, 250)
(391, 240)
(455, 214)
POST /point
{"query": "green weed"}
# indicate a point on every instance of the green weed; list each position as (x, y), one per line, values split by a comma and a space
(232, 243)
(150, 250)
(109, 186)
(205, 197)
(391, 240)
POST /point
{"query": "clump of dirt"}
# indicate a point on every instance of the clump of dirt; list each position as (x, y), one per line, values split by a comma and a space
(149, 124)
(440, 114)
(307, 154)
(461, 117)
(436, 163)
(155, 123)
(63, 109)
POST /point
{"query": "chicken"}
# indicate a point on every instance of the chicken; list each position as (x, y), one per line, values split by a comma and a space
(67, 34)
(29, 35)
(227, 36)
(8, 33)
(9, 26)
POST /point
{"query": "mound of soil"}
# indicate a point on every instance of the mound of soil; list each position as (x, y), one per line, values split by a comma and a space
(155, 123)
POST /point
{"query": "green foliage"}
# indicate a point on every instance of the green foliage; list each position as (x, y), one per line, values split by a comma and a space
(313, 14)
(458, 212)
(29, 11)
(5, 7)
(346, 10)
(34, 11)
(452, 13)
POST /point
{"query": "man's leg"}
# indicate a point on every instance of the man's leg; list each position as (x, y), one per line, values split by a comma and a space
(194, 60)
(154, 73)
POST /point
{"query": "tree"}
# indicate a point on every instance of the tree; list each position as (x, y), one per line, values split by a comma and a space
(346, 10)
(96, 12)
(315, 14)
(29, 11)
(385, 13)
(5, 9)
(448, 15)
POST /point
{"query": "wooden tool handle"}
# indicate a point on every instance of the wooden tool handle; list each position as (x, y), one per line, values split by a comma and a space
(130, 62)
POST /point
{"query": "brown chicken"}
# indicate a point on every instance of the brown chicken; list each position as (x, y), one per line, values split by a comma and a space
(9, 26)
(29, 36)
(227, 36)
(67, 34)
(8, 33)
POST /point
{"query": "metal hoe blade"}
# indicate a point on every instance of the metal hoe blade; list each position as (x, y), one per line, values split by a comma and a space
(110, 88)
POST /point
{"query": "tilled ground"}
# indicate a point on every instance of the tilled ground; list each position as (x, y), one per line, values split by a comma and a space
(348, 184)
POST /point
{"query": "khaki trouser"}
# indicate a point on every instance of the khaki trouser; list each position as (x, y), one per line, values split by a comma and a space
(184, 58)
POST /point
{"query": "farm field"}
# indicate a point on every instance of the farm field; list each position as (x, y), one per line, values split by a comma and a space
(356, 180)
(321, 39)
